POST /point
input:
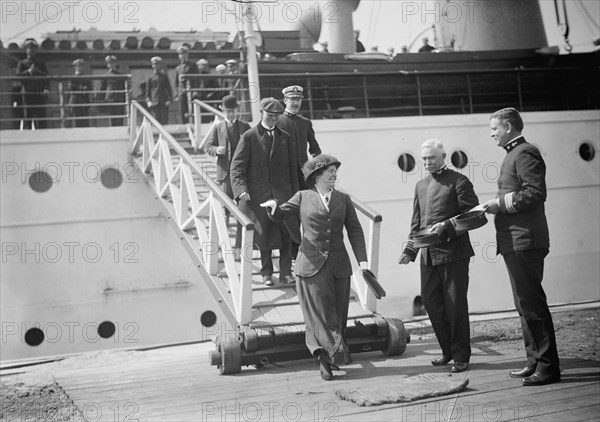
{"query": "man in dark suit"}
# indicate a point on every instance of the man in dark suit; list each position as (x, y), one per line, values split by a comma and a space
(523, 241)
(300, 129)
(112, 92)
(185, 67)
(35, 93)
(158, 92)
(222, 142)
(444, 194)
(260, 170)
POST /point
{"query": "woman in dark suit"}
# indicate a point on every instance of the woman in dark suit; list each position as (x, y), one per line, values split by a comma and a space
(323, 267)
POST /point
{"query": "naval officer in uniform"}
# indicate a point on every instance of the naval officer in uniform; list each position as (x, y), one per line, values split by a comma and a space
(523, 241)
(300, 129)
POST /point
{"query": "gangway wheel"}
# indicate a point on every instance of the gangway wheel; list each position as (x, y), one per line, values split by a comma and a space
(227, 357)
(397, 337)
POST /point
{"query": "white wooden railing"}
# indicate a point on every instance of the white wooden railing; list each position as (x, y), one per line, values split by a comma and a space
(173, 183)
(197, 138)
(366, 298)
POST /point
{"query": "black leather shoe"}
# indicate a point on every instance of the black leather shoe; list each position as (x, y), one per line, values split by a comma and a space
(525, 372)
(459, 367)
(441, 361)
(541, 378)
(288, 279)
(325, 369)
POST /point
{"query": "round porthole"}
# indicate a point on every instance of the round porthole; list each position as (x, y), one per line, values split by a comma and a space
(406, 162)
(111, 178)
(208, 319)
(106, 329)
(587, 151)
(40, 181)
(34, 337)
(459, 159)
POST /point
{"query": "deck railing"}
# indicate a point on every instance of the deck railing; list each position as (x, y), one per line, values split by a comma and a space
(60, 101)
(418, 93)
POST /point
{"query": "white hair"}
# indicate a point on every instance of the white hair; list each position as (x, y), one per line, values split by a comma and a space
(434, 144)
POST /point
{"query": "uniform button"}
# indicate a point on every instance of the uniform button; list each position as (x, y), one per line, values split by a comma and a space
(329, 219)
(328, 231)
(327, 241)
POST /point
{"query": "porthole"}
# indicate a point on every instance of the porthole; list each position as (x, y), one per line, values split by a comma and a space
(587, 151)
(106, 329)
(406, 162)
(34, 337)
(40, 181)
(111, 178)
(208, 319)
(459, 159)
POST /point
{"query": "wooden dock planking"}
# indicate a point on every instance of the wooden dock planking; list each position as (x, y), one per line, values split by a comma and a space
(177, 384)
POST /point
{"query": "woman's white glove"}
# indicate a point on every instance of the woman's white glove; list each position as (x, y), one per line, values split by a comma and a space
(364, 265)
(270, 205)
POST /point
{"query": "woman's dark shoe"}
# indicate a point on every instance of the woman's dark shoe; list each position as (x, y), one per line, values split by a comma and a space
(325, 368)
(459, 367)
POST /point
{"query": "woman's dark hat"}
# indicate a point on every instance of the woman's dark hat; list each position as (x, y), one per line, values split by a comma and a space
(318, 162)
(425, 238)
(229, 102)
(373, 284)
(470, 220)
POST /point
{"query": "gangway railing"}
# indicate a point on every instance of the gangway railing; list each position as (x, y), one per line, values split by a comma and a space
(173, 171)
(62, 101)
(197, 138)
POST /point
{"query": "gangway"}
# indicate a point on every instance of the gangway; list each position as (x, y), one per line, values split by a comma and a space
(267, 319)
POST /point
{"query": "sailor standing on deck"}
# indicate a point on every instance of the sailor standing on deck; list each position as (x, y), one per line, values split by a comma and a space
(79, 101)
(444, 194)
(185, 67)
(35, 93)
(523, 240)
(113, 91)
(158, 92)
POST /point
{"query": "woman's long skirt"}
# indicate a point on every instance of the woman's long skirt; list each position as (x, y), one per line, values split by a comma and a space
(324, 300)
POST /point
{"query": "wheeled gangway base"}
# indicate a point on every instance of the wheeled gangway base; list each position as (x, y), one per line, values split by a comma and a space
(252, 348)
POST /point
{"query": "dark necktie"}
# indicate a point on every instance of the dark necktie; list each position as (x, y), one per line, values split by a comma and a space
(269, 138)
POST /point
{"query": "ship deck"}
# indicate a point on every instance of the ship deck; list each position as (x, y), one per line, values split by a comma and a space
(178, 384)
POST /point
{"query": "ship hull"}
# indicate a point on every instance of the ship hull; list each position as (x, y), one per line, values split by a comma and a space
(82, 254)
